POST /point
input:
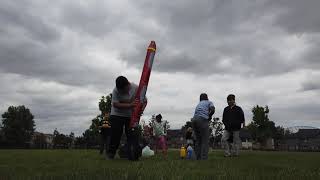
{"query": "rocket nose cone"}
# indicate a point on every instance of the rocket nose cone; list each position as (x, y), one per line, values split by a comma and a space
(152, 44)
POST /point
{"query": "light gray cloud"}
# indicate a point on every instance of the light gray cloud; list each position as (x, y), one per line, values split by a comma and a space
(311, 85)
(296, 16)
(54, 105)
(306, 113)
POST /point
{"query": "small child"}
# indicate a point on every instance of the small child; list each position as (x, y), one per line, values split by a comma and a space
(105, 133)
(159, 133)
(183, 152)
(189, 136)
(190, 152)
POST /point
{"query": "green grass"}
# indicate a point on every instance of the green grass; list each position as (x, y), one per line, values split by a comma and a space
(88, 164)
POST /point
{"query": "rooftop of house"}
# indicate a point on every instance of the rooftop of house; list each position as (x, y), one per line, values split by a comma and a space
(308, 133)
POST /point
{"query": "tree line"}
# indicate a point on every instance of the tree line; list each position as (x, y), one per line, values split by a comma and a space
(17, 129)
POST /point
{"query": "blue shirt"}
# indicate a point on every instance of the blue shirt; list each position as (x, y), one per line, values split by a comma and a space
(202, 109)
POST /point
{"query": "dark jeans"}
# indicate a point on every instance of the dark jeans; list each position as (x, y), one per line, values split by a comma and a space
(201, 130)
(104, 142)
(117, 123)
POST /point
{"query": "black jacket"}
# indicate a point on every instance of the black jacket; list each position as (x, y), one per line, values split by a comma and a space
(232, 118)
(189, 135)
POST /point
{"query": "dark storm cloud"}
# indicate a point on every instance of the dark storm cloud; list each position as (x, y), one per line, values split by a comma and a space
(30, 46)
(17, 16)
(225, 37)
(34, 60)
(297, 16)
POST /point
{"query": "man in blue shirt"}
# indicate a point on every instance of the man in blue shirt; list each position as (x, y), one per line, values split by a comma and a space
(202, 115)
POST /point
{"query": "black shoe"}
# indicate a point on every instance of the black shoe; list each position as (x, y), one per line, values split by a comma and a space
(109, 157)
(133, 159)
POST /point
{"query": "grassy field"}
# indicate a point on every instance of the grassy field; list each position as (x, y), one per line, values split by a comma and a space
(88, 164)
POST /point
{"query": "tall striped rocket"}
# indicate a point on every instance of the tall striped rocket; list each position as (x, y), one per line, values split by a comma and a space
(140, 96)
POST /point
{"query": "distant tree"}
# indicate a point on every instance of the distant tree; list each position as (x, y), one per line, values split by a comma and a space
(95, 123)
(80, 142)
(216, 130)
(261, 128)
(55, 132)
(57, 139)
(71, 135)
(216, 127)
(186, 125)
(105, 104)
(2, 141)
(90, 139)
(166, 126)
(71, 139)
(279, 135)
(18, 125)
(91, 135)
(61, 140)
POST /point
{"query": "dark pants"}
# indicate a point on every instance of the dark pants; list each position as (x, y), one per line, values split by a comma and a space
(117, 123)
(201, 130)
(104, 142)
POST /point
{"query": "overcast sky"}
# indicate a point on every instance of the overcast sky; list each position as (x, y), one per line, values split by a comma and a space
(59, 57)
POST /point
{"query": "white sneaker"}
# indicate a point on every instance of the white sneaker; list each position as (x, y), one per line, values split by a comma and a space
(227, 155)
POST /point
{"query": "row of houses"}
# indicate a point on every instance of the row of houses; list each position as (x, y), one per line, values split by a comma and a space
(41, 140)
(38, 140)
(303, 140)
